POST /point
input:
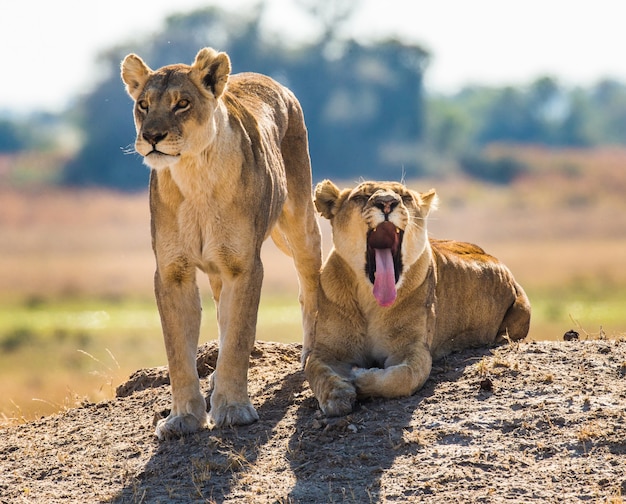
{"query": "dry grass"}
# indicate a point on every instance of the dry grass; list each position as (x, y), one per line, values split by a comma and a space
(60, 243)
(564, 221)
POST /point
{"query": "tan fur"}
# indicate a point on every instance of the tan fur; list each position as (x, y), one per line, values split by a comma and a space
(230, 166)
(450, 296)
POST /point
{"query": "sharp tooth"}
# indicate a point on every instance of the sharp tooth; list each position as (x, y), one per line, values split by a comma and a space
(397, 230)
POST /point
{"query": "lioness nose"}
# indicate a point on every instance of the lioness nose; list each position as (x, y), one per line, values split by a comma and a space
(386, 202)
(153, 137)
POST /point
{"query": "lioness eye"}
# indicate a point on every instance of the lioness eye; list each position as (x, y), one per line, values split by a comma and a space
(143, 105)
(182, 104)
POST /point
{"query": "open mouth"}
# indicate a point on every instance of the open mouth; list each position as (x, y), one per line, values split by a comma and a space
(383, 261)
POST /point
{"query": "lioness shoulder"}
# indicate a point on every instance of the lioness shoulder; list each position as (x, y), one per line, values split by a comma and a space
(391, 300)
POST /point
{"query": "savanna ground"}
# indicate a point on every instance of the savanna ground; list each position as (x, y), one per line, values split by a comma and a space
(534, 422)
(546, 425)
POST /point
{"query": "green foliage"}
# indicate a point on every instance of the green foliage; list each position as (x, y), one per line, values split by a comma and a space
(544, 112)
(592, 306)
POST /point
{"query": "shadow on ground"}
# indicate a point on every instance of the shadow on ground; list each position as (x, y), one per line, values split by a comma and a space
(293, 448)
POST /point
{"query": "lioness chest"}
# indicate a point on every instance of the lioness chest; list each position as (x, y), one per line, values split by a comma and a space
(392, 331)
(217, 227)
(216, 238)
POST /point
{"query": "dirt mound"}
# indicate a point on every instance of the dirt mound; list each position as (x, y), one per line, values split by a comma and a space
(528, 422)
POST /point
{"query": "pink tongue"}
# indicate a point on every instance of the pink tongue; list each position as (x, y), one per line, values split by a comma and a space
(384, 278)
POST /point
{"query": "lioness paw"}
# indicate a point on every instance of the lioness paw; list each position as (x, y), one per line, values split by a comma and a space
(175, 426)
(338, 401)
(232, 414)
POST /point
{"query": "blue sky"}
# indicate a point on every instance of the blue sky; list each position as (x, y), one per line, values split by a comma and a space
(51, 46)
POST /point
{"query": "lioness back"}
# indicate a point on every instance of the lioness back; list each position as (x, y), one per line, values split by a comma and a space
(480, 308)
(254, 98)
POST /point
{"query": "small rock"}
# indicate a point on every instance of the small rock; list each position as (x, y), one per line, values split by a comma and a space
(571, 335)
(486, 385)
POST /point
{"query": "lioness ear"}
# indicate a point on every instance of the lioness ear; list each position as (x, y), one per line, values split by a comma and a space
(213, 69)
(135, 73)
(428, 202)
(326, 195)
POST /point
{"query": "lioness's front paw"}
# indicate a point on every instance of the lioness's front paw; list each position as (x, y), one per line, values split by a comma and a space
(338, 400)
(232, 414)
(178, 425)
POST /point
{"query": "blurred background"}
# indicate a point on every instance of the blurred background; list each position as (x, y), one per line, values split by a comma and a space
(514, 111)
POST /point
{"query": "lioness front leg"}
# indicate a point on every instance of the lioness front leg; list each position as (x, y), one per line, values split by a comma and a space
(331, 384)
(179, 306)
(237, 307)
(401, 376)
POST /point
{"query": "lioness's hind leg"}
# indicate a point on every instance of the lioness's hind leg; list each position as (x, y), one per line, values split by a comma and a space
(304, 245)
(516, 322)
(298, 223)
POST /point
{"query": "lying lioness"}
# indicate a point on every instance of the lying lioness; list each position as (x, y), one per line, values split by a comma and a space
(392, 300)
(230, 167)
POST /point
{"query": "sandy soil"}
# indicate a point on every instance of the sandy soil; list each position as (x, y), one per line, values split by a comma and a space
(527, 422)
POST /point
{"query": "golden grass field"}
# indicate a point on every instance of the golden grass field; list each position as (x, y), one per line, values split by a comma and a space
(77, 313)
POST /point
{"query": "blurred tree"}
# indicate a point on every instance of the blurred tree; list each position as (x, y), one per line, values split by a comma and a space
(362, 109)
(448, 127)
(509, 118)
(37, 131)
(608, 101)
(575, 127)
(546, 105)
(541, 113)
(499, 170)
(363, 105)
(11, 137)
(330, 15)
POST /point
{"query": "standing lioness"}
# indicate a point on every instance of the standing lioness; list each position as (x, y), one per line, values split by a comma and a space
(391, 300)
(230, 166)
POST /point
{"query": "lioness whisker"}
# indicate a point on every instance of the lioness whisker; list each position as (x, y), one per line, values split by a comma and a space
(129, 149)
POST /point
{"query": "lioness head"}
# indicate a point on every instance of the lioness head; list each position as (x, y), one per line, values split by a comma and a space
(174, 105)
(379, 229)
